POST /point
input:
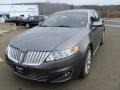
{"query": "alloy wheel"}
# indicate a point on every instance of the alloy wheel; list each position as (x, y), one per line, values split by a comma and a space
(88, 62)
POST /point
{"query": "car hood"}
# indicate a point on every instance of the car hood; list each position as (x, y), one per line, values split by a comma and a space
(44, 38)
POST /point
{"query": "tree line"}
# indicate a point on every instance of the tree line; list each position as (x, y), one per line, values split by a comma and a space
(109, 11)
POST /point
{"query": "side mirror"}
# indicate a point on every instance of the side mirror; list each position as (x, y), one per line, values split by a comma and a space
(97, 24)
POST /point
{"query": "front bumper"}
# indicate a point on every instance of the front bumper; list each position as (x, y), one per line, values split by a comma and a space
(54, 72)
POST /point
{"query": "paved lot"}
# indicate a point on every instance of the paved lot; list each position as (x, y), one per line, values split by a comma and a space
(3, 31)
(105, 74)
(112, 22)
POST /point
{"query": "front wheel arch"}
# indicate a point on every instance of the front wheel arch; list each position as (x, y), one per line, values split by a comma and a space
(82, 72)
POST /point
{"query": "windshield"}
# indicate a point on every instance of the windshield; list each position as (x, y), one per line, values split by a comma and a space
(75, 19)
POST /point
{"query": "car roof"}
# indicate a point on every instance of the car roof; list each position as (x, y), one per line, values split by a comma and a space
(77, 10)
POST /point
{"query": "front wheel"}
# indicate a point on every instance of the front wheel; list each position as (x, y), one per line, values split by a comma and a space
(87, 64)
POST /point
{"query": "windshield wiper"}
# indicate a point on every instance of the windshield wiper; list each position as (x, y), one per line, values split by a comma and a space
(55, 26)
(62, 26)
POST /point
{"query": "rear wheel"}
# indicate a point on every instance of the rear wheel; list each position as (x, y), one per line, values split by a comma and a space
(27, 25)
(87, 64)
(17, 24)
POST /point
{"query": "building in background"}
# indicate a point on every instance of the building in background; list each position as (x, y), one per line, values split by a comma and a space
(48, 8)
(17, 10)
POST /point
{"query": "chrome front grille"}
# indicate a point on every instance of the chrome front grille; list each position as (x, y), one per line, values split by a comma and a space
(15, 55)
(35, 57)
(28, 58)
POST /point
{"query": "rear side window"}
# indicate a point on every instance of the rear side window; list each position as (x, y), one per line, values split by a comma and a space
(97, 16)
(92, 15)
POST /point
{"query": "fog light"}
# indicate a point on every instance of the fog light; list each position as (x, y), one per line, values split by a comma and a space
(67, 74)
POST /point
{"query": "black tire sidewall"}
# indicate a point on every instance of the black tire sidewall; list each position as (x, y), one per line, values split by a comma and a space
(102, 39)
(83, 73)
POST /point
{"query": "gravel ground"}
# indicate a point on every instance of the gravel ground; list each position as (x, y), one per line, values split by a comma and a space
(105, 73)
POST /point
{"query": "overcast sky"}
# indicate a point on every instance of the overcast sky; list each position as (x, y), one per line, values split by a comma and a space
(76, 2)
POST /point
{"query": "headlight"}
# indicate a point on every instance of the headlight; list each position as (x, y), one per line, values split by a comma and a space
(56, 55)
(7, 49)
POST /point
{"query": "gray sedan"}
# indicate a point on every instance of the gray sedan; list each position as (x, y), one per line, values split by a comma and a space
(59, 49)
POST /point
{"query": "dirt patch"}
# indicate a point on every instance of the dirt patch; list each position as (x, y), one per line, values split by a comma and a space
(7, 26)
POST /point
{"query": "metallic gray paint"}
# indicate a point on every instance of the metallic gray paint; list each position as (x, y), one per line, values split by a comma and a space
(59, 38)
(49, 38)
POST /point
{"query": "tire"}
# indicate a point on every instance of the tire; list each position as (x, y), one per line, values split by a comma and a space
(87, 64)
(17, 24)
(27, 26)
(103, 37)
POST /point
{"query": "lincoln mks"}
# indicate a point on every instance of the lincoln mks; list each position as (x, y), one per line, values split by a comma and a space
(59, 49)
